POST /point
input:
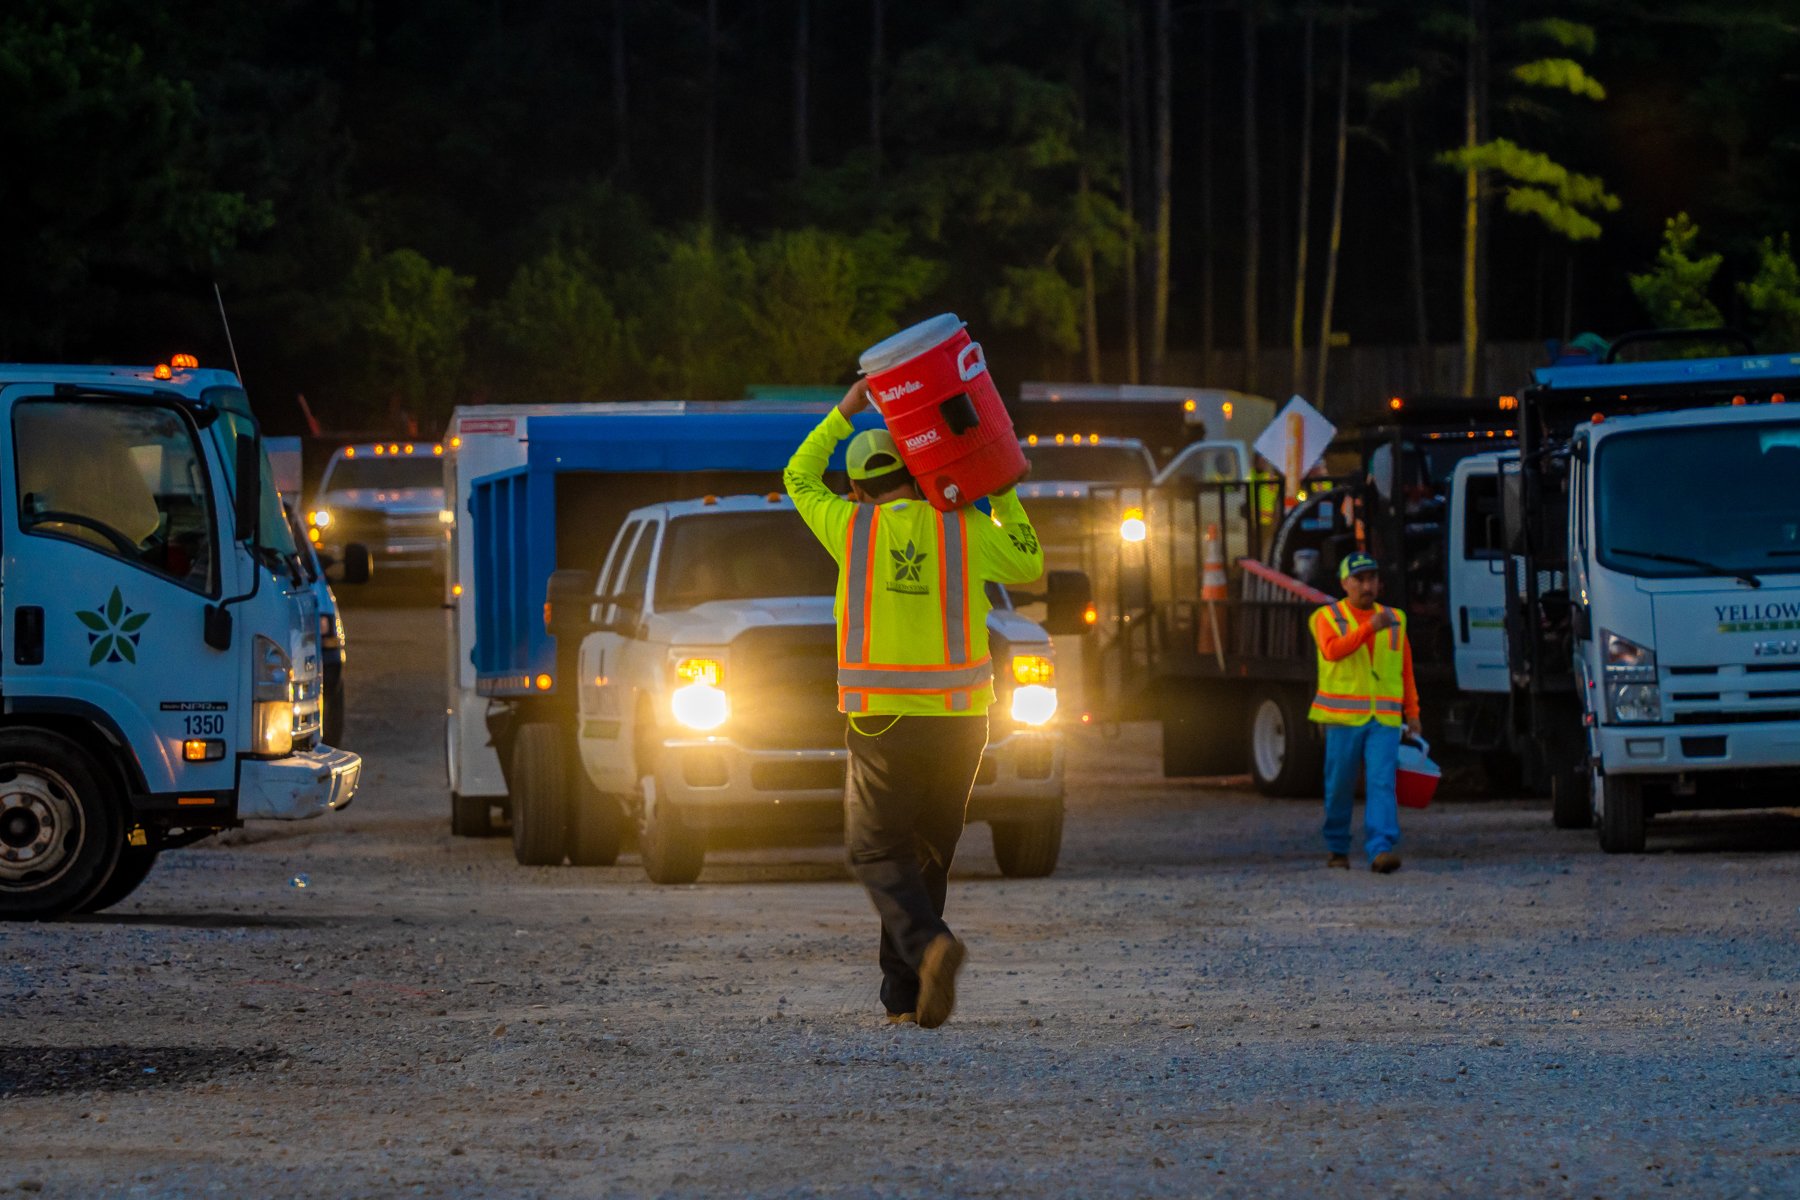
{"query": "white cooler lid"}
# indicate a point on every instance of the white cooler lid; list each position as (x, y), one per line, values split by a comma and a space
(909, 343)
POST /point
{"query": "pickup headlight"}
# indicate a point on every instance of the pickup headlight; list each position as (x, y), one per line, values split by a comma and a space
(320, 518)
(699, 700)
(1632, 694)
(272, 699)
(1132, 527)
(1034, 691)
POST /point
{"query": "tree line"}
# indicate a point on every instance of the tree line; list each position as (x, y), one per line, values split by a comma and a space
(406, 204)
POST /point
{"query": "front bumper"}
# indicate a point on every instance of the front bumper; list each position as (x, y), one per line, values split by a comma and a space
(720, 785)
(1671, 749)
(308, 784)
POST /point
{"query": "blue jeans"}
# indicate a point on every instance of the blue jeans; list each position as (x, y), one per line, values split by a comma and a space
(1375, 748)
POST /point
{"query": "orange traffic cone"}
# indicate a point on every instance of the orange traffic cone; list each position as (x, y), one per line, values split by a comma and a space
(1214, 588)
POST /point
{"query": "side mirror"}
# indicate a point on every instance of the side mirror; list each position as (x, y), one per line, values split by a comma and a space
(247, 512)
(358, 565)
(568, 597)
(1068, 597)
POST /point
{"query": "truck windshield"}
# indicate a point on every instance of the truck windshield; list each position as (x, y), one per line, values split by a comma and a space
(741, 556)
(1720, 495)
(347, 474)
(1089, 464)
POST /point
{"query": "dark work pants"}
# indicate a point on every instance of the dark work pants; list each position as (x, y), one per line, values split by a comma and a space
(904, 800)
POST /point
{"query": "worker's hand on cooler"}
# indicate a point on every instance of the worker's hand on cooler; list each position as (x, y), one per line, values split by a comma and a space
(856, 399)
(1413, 728)
(1383, 619)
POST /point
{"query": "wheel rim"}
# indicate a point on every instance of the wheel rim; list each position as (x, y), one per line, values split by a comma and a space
(1268, 739)
(41, 825)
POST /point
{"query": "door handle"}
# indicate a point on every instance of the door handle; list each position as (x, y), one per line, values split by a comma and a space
(1462, 616)
(28, 635)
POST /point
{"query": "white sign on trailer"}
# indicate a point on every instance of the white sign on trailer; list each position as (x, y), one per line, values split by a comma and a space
(1296, 439)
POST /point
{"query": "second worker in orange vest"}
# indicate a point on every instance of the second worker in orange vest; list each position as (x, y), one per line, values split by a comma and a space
(1366, 697)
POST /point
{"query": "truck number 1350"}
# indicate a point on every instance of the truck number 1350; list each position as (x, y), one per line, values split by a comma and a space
(204, 724)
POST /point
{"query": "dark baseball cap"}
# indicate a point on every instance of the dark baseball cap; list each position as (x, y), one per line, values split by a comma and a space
(1357, 563)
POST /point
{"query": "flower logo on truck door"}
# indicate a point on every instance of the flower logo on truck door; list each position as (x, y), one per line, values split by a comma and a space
(113, 630)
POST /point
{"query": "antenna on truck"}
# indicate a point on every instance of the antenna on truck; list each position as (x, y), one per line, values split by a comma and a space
(226, 322)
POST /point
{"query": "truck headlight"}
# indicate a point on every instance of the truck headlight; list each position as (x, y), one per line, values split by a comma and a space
(1132, 527)
(272, 699)
(1632, 694)
(1033, 704)
(699, 699)
(320, 517)
(1634, 703)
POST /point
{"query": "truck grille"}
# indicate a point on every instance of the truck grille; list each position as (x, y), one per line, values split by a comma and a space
(783, 688)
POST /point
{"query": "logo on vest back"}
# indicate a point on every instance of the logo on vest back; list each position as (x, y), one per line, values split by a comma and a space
(909, 568)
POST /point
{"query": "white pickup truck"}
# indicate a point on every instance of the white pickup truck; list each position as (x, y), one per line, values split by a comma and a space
(707, 706)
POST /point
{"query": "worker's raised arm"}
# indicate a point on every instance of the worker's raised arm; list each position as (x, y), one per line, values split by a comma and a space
(825, 513)
(1009, 554)
(1334, 645)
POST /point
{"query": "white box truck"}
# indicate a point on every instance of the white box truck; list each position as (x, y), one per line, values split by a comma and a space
(160, 674)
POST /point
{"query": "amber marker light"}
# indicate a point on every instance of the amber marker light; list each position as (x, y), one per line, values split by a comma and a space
(1188, 405)
(1090, 615)
(543, 683)
(349, 451)
(1396, 403)
(455, 442)
(185, 361)
(436, 450)
(162, 371)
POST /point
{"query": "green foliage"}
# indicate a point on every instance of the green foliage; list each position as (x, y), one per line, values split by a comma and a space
(1570, 35)
(1540, 186)
(1774, 294)
(1040, 299)
(1559, 74)
(1405, 86)
(1674, 290)
(563, 339)
(412, 316)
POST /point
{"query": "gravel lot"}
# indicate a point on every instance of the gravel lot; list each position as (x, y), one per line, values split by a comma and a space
(1192, 1005)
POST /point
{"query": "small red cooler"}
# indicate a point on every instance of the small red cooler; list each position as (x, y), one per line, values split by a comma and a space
(1417, 778)
(931, 385)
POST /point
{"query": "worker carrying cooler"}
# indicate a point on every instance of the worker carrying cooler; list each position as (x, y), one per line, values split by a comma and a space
(1366, 696)
(930, 383)
(915, 677)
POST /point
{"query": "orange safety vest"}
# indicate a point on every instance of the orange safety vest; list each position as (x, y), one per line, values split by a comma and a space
(884, 648)
(1361, 686)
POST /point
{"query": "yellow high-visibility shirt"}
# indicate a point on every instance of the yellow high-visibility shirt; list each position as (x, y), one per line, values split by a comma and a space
(911, 607)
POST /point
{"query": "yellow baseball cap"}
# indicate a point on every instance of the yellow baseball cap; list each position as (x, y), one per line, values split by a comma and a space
(872, 452)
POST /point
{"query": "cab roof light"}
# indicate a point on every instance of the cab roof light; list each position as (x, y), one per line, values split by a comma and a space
(1738, 402)
(1093, 439)
(380, 449)
(455, 442)
(1508, 403)
(393, 448)
(349, 451)
(185, 361)
(1060, 439)
(1225, 410)
(162, 371)
(1777, 398)
(1396, 403)
(436, 450)
(409, 448)
(1031, 440)
(1188, 405)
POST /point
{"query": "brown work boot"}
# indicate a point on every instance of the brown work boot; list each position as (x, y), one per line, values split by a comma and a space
(1338, 860)
(1385, 863)
(937, 979)
(906, 1018)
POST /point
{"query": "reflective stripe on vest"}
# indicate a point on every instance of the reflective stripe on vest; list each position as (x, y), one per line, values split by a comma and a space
(1356, 688)
(956, 677)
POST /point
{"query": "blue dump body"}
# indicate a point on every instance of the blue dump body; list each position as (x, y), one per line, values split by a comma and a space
(1748, 370)
(513, 513)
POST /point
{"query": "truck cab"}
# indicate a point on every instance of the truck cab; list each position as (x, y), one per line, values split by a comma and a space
(708, 698)
(161, 663)
(1655, 608)
(387, 496)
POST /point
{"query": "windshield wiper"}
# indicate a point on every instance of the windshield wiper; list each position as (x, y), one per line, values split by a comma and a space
(1684, 561)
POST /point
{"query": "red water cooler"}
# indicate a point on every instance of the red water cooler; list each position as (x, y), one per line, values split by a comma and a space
(931, 385)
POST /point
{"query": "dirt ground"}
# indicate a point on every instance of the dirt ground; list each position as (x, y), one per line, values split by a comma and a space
(1190, 1006)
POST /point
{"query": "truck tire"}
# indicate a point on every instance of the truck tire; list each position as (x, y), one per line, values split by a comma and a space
(540, 796)
(1570, 805)
(1286, 757)
(61, 829)
(672, 852)
(596, 827)
(1028, 849)
(470, 817)
(1619, 800)
(133, 868)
